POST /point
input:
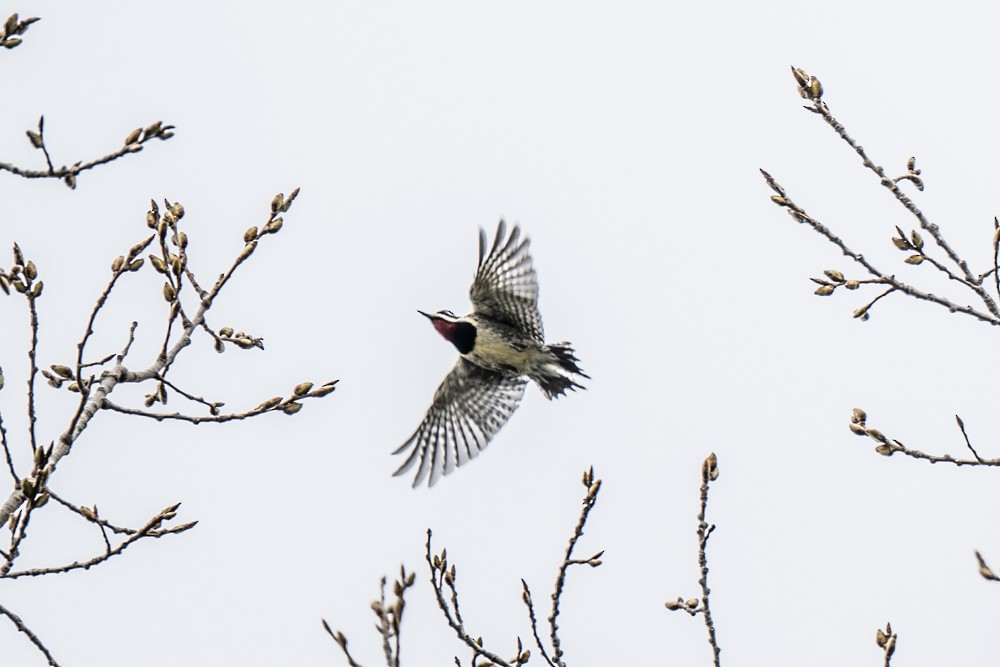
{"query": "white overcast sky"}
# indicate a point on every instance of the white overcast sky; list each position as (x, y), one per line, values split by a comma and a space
(625, 138)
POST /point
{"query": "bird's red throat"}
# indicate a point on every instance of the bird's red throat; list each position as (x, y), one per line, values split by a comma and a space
(445, 328)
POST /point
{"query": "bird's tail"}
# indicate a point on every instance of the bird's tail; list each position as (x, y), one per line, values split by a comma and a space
(558, 371)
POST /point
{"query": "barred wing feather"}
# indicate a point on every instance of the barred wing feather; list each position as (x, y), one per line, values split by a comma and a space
(469, 407)
(505, 287)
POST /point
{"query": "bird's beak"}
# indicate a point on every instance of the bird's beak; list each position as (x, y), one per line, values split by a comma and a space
(430, 317)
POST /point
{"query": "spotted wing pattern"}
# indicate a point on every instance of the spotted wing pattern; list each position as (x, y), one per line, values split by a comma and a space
(505, 287)
(469, 407)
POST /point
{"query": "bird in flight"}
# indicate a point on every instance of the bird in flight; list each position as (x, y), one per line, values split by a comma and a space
(501, 346)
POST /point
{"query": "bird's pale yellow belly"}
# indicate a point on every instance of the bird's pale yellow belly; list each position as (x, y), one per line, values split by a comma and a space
(494, 352)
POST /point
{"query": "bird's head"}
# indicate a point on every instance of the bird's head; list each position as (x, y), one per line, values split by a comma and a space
(460, 333)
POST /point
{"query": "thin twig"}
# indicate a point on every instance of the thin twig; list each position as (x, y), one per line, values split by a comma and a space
(32, 637)
(192, 419)
(961, 426)
(6, 452)
(150, 529)
(709, 472)
(341, 642)
(593, 488)
(889, 446)
(91, 515)
(438, 581)
(526, 596)
(33, 367)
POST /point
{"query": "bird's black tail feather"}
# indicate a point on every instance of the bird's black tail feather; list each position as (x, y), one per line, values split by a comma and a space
(560, 371)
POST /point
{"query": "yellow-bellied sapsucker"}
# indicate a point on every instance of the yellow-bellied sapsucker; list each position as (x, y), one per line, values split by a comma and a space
(501, 346)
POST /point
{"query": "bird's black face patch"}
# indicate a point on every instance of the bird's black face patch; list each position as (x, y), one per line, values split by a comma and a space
(464, 337)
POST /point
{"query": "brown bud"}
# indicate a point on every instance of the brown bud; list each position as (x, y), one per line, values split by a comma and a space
(302, 389)
(268, 404)
(274, 226)
(158, 264)
(168, 292)
(250, 234)
(859, 416)
(835, 276)
(815, 88)
(858, 429)
(876, 434)
(801, 77)
(277, 202)
(914, 259)
(226, 332)
(291, 408)
(116, 265)
(37, 292)
(62, 371)
(852, 284)
(30, 271)
(324, 390)
(824, 290)
(133, 136)
(135, 265)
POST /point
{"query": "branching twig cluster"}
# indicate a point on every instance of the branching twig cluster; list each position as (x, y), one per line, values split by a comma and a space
(442, 579)
(94, 379)
(694, 606)
(950, 265)
(946, 262)
(390, 618)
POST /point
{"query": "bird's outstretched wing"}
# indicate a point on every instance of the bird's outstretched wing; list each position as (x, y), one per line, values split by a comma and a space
(469, 408)
(505, 287)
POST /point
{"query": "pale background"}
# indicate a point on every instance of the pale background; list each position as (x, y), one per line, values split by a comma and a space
(625, 138)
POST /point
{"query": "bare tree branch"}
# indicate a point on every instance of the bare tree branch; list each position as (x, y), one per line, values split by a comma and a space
(888, 446)
(693, 607)
(68, 174)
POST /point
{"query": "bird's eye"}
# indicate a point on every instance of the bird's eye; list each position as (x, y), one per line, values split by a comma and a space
(447, 312)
